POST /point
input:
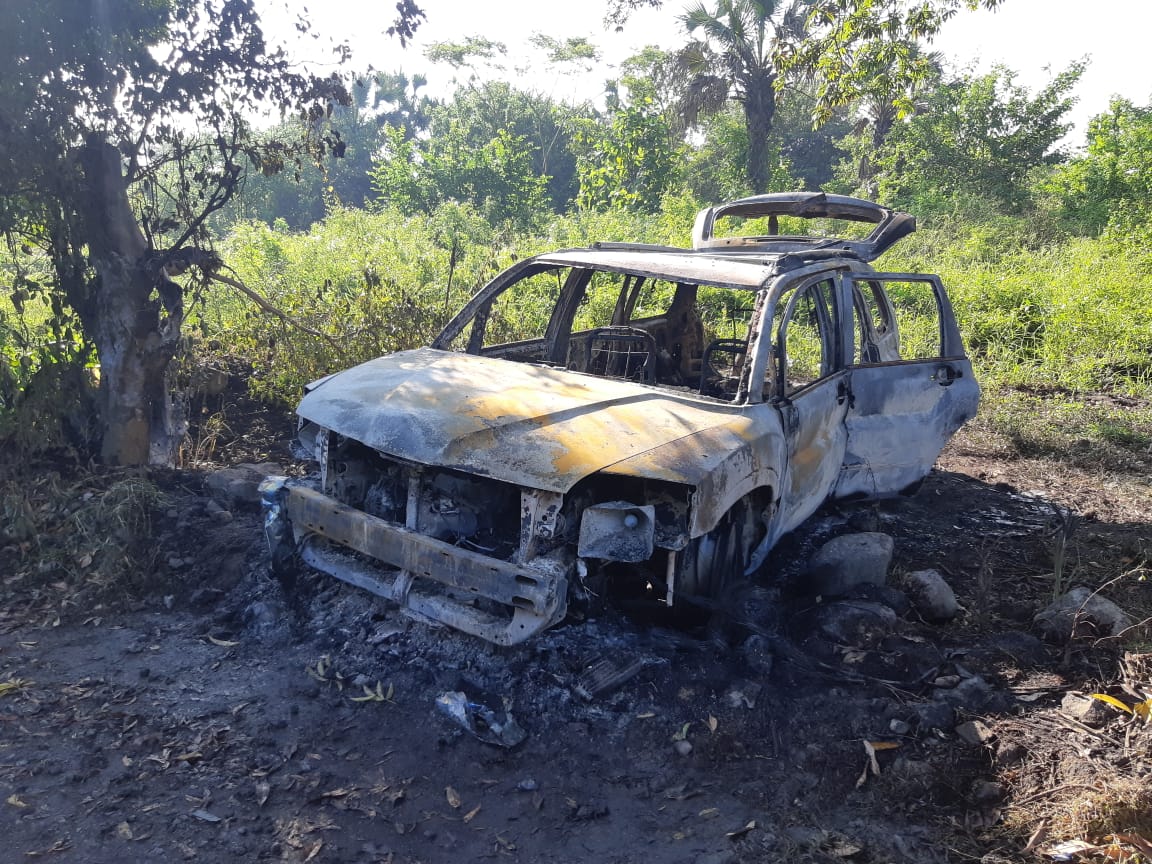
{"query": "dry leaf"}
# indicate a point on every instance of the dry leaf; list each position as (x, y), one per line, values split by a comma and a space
(683, 733)
(453, 798)
(884, 745)
(315, 850)
(471, 814)
(14, 684)
(15, 801)
(740, 832)
(713, 723)
(263, 790)
(647, 715)
(124, 831)
(223, 643)
(709, 812)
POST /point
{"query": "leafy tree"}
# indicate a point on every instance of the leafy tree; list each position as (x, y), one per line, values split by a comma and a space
(735, 57)
(977, 136)
(1111, 183)
(475, 118)
(303, 192)
(627, 162)
(100, 103)
(850, 50)
(496, 177)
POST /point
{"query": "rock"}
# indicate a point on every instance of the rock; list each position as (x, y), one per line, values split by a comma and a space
(849, 560)
(946, 682)
(682, 747)
(898, 727)
(858, 623)
(931, 596)
(935, 715)
(527, 785)
(893, 598)
(1024, 649)
(1090, 712)
(974, 695)
(974, 732)
(1092, 616)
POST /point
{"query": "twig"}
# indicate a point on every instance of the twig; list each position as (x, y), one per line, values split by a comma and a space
(273, 310)
(1052, 791)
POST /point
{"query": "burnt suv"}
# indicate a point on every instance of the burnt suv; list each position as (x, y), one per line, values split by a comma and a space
(626, 414)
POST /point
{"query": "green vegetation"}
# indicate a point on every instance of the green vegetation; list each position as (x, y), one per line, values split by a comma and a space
(369, 240)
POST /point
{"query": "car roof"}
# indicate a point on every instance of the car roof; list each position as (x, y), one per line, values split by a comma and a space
(749, 270)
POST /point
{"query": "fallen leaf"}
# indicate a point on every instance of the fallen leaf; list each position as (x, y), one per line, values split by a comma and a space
(453, 798)
(884, 745)
(471, 814)
(843, 849)
(647, 715)
(13, 684)
(683, 733)
(189, 757)
(205, 816)
(709, 813)
(713, 723)
(314, 851)
(124, 831)
(15, 801)
(263, 790)
(740, 832)
(223, 643)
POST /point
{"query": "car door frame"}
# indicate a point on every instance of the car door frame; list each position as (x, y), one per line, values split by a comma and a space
(903, 411)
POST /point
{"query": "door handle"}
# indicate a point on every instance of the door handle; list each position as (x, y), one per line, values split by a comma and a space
(946, 374)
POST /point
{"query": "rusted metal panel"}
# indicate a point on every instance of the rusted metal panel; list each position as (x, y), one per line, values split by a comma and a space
(529, 425)
(534, 587)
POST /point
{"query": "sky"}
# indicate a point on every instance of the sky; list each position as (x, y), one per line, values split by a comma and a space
(1036, 38)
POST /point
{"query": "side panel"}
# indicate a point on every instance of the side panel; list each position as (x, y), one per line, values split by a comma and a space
(902, 416)
(903, 411)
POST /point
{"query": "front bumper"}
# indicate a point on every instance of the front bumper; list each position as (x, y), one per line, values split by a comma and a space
(435, 580)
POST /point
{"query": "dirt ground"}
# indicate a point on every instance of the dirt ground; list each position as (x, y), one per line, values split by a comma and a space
(204, 716)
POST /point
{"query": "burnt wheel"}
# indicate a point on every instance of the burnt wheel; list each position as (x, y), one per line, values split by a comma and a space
(718, 559)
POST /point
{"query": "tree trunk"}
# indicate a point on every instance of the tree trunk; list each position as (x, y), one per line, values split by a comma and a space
(759, 110)
(134, 341)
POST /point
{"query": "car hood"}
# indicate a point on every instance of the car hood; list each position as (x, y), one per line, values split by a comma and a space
(526, 424)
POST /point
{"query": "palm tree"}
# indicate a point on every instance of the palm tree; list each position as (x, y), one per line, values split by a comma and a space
(734, 57)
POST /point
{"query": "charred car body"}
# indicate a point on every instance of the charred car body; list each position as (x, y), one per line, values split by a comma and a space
(658, 413)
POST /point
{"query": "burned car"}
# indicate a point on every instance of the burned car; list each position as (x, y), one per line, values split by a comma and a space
(630, 414)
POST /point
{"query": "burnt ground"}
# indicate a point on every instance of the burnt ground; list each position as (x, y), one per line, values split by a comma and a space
(161, 699)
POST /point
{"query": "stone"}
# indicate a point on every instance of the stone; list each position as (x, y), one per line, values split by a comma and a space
(1089, 711)
(857, 623)
(935, 715)
(974, 732)
(682, 747)
(849, 560)
(898, 727)
(893, 598)
(931, 596)
(1081, 614)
